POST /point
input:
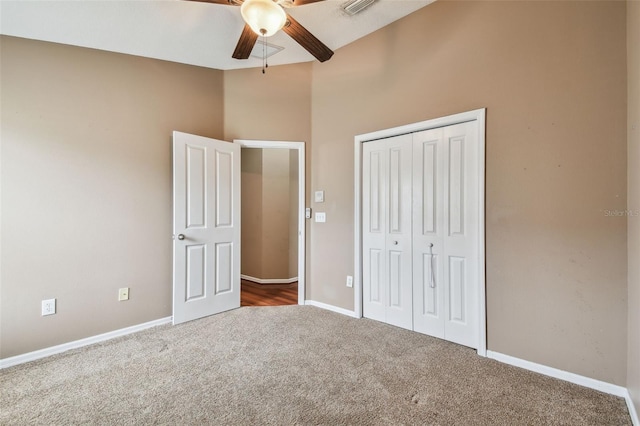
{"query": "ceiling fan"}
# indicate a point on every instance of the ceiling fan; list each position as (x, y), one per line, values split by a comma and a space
(265, 18)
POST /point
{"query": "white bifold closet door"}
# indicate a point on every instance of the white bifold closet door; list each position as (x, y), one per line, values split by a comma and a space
(420, 232)
(387, 231)
(445, 233)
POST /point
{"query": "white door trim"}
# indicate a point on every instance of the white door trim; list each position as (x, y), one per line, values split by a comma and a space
(477, 115)
(301, 200)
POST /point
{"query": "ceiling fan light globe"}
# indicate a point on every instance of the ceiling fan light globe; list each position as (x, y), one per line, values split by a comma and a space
(264, 17)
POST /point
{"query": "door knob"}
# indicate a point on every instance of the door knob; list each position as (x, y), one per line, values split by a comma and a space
(395, 243)
(181, 237)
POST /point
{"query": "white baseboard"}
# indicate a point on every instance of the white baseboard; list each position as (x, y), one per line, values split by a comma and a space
(43, 353)
(560, 374)
(331, 308)
(269, 280)
(632, 410)
(570, 377)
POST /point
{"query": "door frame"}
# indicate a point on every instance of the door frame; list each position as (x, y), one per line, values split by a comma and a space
(300, 147)
(478, 115)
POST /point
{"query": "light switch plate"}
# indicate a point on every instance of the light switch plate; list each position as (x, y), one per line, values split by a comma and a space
(123, 294)
(48, 307)
(321, 217)
(349, 281)
(319, 197)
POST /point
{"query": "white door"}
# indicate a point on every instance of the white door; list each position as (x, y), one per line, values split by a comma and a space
(206, 226)
(446, 234)
(387, 231)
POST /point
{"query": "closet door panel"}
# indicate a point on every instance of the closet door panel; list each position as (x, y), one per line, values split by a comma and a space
(386, 222)
(398, 240)
(461, 241)
(428, 232)
(374, 196)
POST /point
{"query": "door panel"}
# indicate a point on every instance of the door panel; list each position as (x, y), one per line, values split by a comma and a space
(429, 165)
(387, 231)
(376, 193)
(195, 280)
(398, 240)
(456, 190)
(445, 240)
(461, 243)
(196, 187)
(206, 185)
(395, 279)
(456, 300)
(224, 274)
(224, 186)
(374, 172)
(395, 190)
(429, 229)
(376, 272)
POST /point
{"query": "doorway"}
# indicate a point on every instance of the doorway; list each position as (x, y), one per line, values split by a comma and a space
(273, 223)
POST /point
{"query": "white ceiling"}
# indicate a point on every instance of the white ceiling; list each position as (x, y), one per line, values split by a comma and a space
(188, 32)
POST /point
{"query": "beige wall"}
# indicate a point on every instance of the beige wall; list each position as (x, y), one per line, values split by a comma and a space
(86, 186)
(633, 201)
(275, 214)
(553, 79)
(251, 212)
(271, 106)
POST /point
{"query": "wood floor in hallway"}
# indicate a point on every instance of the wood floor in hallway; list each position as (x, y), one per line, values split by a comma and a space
(253, 294)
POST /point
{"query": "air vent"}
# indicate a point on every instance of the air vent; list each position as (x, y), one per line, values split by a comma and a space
(269, 49)
(355, 6)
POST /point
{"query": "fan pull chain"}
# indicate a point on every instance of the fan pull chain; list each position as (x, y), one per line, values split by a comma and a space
(265, 65)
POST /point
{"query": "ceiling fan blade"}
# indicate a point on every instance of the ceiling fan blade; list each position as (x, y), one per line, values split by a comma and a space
(245, 45)
(303, 2)
(307, 40)
(227, 2)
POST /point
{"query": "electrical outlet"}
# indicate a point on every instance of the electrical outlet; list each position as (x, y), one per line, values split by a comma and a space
(48, 307)
(349, 281)
(123, 294)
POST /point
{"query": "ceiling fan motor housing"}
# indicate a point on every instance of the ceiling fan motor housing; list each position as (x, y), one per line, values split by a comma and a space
(265, 17)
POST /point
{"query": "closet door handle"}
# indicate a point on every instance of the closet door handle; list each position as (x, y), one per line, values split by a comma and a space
(432, 275)
(181, 237)
(395, 243)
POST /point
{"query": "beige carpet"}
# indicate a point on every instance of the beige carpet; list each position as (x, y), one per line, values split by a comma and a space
(290, 365)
